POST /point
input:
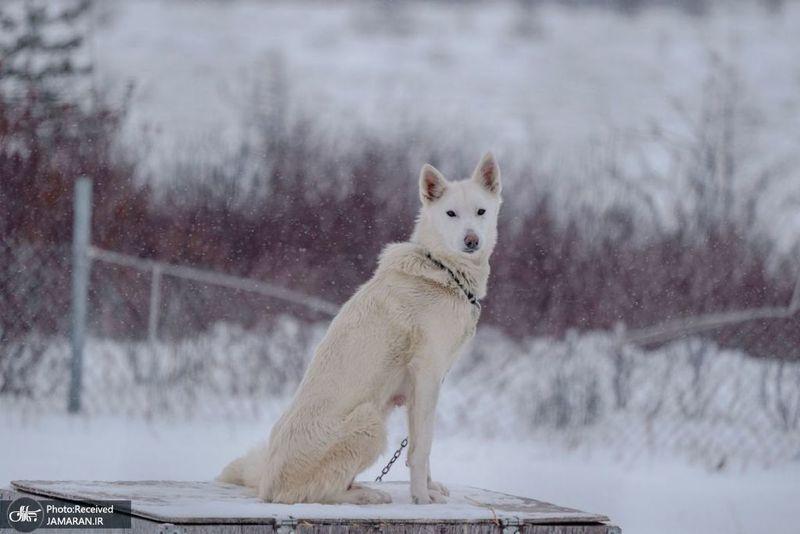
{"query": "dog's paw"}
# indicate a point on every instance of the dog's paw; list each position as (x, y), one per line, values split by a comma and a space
(431, 496)
(372, 496)
(438, 486)
(437, 497)
(384, 496)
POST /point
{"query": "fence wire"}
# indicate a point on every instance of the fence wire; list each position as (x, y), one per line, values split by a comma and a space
(34, 314)
(720, 390)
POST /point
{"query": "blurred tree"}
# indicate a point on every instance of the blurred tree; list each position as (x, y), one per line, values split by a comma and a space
(53, 126)
(42, 48)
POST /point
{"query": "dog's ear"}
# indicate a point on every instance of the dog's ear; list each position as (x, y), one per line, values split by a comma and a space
(487, 173)
(432, 184)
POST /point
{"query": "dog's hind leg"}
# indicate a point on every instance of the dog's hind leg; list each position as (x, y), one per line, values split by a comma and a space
(245, 470)
(364, 438)
(354, 446)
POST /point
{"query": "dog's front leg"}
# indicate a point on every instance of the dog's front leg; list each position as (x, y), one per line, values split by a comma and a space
(425, 384)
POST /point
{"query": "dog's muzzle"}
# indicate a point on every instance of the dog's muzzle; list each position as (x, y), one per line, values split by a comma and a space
(471, 242)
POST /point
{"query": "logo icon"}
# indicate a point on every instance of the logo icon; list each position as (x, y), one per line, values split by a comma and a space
(25, 515)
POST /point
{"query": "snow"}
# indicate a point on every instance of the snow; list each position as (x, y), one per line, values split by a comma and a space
(534, 418)
(690, 437)
(646, 496)
(689, 399)
(577, 76)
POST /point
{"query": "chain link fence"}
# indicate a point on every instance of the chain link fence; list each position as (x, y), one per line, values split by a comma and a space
(208, 345)
(34, 314)
(691, 397)
(722, 388)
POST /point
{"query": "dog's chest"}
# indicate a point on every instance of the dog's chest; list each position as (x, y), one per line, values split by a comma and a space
(470, 325)
(453, 327)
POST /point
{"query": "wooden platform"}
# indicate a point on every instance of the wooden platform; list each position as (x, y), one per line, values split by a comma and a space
(172, 507)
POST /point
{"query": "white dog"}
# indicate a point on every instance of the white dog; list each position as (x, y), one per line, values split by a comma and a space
(391, 344)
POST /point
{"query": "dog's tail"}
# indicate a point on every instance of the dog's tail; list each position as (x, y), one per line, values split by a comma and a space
(233, 473)
(246, 470)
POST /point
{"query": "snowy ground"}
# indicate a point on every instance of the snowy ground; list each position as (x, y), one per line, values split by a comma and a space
(697, 446)
(648, 496)
(690, 399)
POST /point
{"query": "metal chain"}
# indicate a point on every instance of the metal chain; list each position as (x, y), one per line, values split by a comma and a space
(394, 458)
(470, 297)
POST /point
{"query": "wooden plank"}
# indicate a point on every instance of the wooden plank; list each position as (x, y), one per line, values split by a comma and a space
(211, 502)
(146, 526)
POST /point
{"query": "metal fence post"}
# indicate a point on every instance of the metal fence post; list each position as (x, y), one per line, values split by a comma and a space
(81, 237)
(155, 303)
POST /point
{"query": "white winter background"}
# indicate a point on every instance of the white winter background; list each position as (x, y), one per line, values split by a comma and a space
(534, 86)
(546, 85)
(723, 469)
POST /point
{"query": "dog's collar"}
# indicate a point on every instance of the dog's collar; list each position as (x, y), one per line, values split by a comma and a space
(467, 293)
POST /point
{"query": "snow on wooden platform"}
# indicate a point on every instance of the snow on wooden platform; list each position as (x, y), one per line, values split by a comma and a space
(186, 503)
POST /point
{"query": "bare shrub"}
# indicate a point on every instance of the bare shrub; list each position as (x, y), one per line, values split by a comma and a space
(295, 209)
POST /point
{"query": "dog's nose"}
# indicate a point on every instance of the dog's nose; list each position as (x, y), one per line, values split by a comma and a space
(471, 241)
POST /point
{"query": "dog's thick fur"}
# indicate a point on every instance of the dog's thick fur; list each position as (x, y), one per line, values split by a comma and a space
(391, 344)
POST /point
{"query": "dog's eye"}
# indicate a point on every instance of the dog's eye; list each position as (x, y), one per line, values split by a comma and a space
(451, 213)
(481, 211)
